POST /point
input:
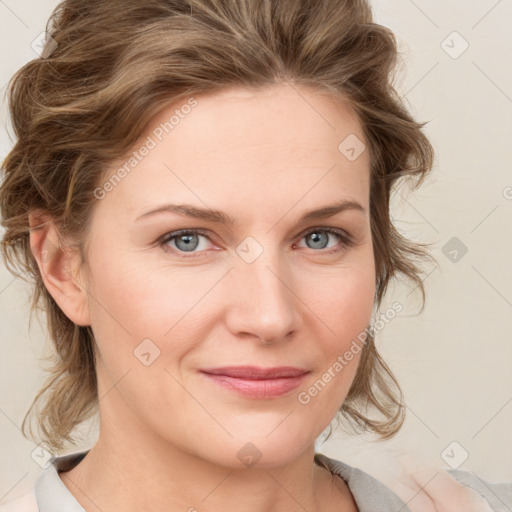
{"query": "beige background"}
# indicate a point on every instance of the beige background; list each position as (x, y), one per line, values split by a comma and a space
(454, 360)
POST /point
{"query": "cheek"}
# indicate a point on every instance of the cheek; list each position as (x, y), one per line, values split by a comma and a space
(344, 309)
(343, 301)
(133, 300)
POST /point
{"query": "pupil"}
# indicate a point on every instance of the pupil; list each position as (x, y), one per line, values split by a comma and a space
(188, 242)
(316, 237)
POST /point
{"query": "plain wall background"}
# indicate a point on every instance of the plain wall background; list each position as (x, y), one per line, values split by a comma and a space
(454, 360)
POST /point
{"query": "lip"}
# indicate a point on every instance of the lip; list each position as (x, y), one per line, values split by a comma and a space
(256, 372)
(257, 382)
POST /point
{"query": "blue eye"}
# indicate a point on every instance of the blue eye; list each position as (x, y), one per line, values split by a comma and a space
(184, 241)
(320, 237)
(188, 240)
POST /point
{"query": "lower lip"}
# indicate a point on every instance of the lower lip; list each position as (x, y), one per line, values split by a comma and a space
(255, 388)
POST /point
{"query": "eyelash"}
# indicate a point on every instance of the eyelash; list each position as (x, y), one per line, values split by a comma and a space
(346, 240)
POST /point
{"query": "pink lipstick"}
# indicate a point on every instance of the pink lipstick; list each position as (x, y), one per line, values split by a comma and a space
(257, 382)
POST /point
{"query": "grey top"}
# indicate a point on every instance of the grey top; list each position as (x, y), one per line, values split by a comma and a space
(49, 493)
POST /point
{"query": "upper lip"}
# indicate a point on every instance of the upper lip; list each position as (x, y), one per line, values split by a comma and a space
(255, 372)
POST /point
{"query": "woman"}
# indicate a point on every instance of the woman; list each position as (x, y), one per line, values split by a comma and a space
(200, 191)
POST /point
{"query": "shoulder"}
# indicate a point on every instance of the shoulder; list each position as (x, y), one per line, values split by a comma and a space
(498, 495)
(369, 493)
(443, 489)
(25, 503)
(49, 492)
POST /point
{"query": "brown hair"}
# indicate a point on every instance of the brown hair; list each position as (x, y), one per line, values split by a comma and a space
(116, 64)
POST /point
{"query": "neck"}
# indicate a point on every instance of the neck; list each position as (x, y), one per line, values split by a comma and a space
(110, 478)
(132, 469)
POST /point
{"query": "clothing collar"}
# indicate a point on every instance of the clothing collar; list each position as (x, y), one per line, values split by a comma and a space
(369, 494)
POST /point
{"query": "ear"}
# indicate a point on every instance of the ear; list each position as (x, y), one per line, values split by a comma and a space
(59, 267)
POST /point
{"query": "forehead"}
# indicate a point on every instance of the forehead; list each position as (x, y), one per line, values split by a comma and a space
(240, 143)
(280, 113)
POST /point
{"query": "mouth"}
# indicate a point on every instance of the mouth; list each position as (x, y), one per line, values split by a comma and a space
(257, 382)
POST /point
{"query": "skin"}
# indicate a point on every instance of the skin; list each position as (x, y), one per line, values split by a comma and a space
(169, 436)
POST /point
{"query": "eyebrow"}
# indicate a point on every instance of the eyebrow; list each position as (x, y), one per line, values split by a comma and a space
(220, 217)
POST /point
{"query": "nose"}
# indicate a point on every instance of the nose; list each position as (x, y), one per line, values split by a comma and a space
(262, 301)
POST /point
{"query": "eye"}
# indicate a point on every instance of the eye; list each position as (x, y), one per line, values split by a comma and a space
(188, 240)
(319, 238)
(184, 240)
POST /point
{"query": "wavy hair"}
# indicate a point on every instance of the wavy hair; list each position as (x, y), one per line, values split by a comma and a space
(111, 66)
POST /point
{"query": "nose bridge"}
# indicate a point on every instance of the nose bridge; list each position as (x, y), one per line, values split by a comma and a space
(263, 303)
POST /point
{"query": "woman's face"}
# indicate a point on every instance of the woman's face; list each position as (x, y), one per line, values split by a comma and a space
(268, 290)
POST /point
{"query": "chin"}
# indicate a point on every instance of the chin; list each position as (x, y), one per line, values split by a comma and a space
(259, 451)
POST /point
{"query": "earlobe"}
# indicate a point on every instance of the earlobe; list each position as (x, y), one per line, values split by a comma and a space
(59, 267)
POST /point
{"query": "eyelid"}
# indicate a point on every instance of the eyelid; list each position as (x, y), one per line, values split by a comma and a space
(330, 229)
